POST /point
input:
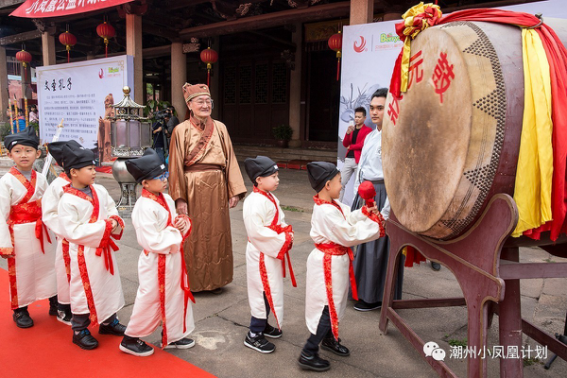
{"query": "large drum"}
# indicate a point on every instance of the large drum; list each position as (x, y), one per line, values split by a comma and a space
(452, 141)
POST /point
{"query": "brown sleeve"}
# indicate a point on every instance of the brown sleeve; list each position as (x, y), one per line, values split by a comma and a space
(235, 182)
(177, 184)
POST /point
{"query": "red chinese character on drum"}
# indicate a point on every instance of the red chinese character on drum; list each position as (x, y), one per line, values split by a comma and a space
(415, 69)
(394, 108)
(442, 75)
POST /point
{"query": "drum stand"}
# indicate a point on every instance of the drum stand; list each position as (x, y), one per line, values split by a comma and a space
(488, 272)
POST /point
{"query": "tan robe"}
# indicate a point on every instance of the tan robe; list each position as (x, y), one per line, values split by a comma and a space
(208, 253)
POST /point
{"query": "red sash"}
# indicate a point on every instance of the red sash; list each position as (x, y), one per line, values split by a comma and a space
(284, 252)
(24, 212)
(104, 247)
(161, 268)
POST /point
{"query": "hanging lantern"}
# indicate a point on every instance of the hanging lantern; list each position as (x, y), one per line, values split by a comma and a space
(24, 57)
(336, 44)
(69, 40)
(105, 31)
(209, 56)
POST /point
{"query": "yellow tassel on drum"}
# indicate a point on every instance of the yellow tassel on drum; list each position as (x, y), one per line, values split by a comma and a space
(532, 191)
(416, 19)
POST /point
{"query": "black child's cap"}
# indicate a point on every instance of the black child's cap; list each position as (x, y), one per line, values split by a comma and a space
(146, 167)
(26, 137)
(56, 149)
(76, 156)
(259, 167)
(319, 173)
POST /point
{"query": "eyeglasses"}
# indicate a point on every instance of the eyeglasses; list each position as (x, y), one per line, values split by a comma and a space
(202, 103)
(162, 177)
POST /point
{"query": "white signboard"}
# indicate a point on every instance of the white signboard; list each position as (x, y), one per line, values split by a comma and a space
(76, 92)
(369, 54)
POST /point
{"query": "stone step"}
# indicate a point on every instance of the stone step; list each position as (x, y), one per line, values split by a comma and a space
(285, 154)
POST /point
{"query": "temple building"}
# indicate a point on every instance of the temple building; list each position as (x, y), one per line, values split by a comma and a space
(274, 64)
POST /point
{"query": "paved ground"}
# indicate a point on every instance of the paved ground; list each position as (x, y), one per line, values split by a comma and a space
(221, 321)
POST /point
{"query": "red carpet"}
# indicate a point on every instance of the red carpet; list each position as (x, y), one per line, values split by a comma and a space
(46, 350)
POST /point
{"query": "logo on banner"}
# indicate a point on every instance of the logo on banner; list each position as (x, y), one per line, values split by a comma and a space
(101, 73)
(362, 47)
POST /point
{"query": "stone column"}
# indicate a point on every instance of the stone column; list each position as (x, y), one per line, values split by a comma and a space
(3, 85)
(295, 88)
(361, 11)
(178, 78)
(48, 49)
(134, 48)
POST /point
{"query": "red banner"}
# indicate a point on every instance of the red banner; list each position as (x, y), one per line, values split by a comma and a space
(56, 8)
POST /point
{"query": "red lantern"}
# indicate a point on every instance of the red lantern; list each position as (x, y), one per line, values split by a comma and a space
(336, 44)
(24, 57)
(69, 40)
(105, 31)
(209, 56)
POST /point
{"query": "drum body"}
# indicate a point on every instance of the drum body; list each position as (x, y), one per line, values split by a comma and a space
(452, 141)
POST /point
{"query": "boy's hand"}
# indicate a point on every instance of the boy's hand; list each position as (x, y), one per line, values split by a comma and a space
(182, 224)
(373, 210)
(114, 225)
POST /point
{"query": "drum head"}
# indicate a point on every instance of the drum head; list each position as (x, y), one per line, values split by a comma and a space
(441, 140)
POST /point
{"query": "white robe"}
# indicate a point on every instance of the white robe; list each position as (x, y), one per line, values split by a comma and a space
(161, 241)
(329, 225)
(49, 204)
(31, 272)
(106, 289)
(259, 212)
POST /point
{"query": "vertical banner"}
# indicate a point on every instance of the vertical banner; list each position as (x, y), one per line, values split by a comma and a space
(80, 93)
(369, 53)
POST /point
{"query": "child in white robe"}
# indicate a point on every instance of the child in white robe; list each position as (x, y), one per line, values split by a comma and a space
(161, 233)
(334, 229)
(49, 204)
(24, 240)
(88, 220)
(269, 242)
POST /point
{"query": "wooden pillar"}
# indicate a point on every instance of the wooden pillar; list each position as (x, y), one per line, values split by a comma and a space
(48, 49)
(361, 11)
(178, 78)
(295, 88)
(3, 85)
(134, 48)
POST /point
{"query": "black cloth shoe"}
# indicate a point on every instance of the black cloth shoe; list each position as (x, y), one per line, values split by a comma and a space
(85, 340)
(360, 305)
(64, 316)
(313, 362)
(135, 347)
(22, 318)
(184, 343)
(114, 328)
(259, 343)
(272, 332)
(435, 266)
(53, 306)
(335, 346)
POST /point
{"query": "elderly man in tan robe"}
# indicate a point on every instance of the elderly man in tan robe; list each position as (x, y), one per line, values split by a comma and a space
(205, 181)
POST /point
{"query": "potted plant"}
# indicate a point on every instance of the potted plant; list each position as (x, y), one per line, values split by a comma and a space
(282, 134)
